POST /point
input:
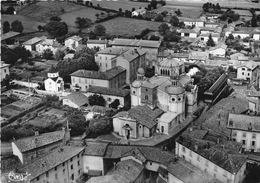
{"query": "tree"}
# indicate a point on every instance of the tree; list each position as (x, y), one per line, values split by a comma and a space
(47, 54)
(149, 7)
(10, 10)
(59, 54)
(56, 29)
(17, 26)
(40, 28)
(178, 13)
(6, 27)
(229, 21)
(100, 30)
(163, 28)
(96, 100)
(154, 4)
(174, 21)
(217, 7)
(83, 22)
(55, 18)
(210, 41)
(77, 122)
(172, 36)
(97, 15)
(133, 9)
(154, 37)
(120, 10)
(182, 25)
(115, 104)
(230, 36)
(254, 21)
(101, 126)
(159, 18)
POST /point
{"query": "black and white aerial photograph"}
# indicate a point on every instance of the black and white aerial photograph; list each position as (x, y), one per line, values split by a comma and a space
(130, 91)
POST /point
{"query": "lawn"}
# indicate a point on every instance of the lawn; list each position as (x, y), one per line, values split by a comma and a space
(5, 100)
(28, 24)
(124, 4)
(188, 13)
(90, 13)
(127, 26)
(42, 11)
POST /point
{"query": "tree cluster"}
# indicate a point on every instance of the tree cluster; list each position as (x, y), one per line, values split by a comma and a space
(174, 21)
(114, 104)
(10, 10)
(56, 28)
(230, 16)
(77, 122)
(83, 22)
(168, 35)
(210, 41)
(84, 59)
(212, 8)
(101, 126)
(15, 26)
(96, 100)
(100, 30)
(11, 56)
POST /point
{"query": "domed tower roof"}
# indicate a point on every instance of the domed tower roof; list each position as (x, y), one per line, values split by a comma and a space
(136, 84)
(175, 88)
(140, 71)
(169, 62)
(53, 70)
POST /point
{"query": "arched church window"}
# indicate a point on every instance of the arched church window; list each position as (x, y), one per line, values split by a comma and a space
(173, 99)
(168, 73)
(161, 72)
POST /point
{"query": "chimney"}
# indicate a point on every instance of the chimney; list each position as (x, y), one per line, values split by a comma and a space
(36, 133)
(196, 148)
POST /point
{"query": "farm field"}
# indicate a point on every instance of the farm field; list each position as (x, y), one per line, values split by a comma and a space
(188, 13)
(70, 17)
(28, 24)
(124, 4)
(128, 27)
(5, 100)
(42, 11)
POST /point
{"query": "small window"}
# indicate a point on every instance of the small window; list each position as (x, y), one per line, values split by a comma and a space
(243, 73)
(71, 159)
(151, 163)
(63, 164)
(146, 97)
(244, 134)
(47, 174)
(133, 92)
(38, 178)
(108, 99)
(253, 143)
(71, 167)
(72, 177)
(243, 69)
(78, 155)
(5, 70)
(179, 99)
(146, 90)
(215, 168)
(63, 171)
(183, 149)
(78, 163)
(79, 172)
(198, 158)
(254, 136)
(55, 168)
(106, 64)
(173, 99)
(243, 142)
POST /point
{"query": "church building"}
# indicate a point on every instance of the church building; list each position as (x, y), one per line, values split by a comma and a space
(54, 83)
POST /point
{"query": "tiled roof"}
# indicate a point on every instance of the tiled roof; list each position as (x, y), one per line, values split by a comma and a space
(186, 31)
(115, 178)
(250, 64)
(107, 75)
(9, 164)
(108, 91)
(113, 51)
(53, 70)
(224, 155)
(219, 83)
(32, 41)
(244, 122)
(184, 19)
(51, 160)
(8, 35)
(219, 45)
(142, 114)
(95, 148)
(101, 109)
(187, 172)
(75, 38)
(198, 55)
(33, 142)
(136, 43)
(77, 98)
(96, 41)
(132, 54)
(198, 134)
(150, 153)
(51, 42)
(129, 169)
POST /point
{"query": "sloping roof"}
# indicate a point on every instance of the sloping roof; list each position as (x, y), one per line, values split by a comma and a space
(96, 41)
(129, 169)
(136, 43)
(142, 114)
(95, 148)
(196, 55)
(250, 64)
(108, 91)
(8, 35)
(51, 42)
(107, 75)
(101, 109)
(244, 122)
(75, 38)
(154, 154)
(184, 19)
(33, 142)
(46, 163)
(220, 81)
(114, 178)
(186, 31)
(53, 70)
(216, 118)
(112, 51)
(218, 46)
(187, 172)
(132, 54)
(224, 155)
(77, 98)
(32, 41)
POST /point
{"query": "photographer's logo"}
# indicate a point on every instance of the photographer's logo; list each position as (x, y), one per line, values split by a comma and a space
(15, 177)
